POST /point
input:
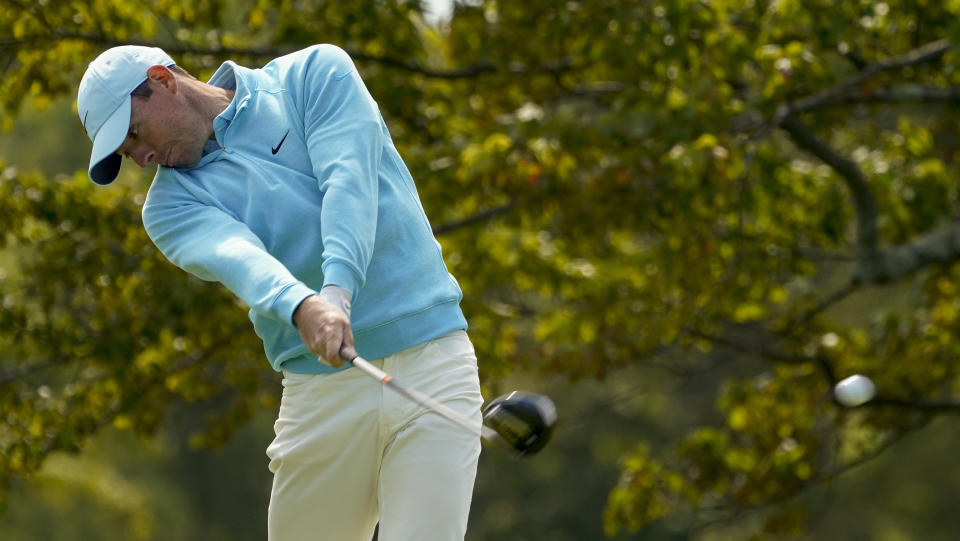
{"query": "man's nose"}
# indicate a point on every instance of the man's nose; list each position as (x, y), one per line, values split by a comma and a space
(143, 155)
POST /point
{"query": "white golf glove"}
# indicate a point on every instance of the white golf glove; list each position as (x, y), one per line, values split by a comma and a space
(338, 297)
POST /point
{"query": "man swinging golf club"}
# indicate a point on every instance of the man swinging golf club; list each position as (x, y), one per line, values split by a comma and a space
(283, 184)
(325, 238)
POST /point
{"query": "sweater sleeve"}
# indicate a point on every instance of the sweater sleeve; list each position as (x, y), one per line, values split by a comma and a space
(345, 137)
(212, 245)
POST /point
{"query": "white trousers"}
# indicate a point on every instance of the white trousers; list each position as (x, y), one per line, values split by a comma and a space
(349, 452)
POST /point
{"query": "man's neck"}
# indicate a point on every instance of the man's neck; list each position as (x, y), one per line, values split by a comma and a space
(210, 101)
(215, 100)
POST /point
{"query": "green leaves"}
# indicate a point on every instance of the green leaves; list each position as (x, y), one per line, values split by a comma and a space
(766, 452)
(646, 492)
(614, 183)
(98, 329)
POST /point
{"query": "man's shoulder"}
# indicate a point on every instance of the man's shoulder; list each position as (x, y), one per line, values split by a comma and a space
(323, 57)
(320, 52)
(164, 177)
(166, 185)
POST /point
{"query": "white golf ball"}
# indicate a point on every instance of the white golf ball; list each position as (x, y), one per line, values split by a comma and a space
(854, 390)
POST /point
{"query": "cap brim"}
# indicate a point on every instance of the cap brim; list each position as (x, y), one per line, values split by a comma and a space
(104, 160)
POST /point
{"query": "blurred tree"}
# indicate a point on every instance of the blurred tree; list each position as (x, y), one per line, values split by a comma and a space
(614, 182)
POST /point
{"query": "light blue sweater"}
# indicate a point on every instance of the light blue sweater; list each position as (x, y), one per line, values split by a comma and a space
(307, 190)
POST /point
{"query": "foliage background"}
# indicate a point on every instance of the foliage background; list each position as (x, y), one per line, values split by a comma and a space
(685, 220)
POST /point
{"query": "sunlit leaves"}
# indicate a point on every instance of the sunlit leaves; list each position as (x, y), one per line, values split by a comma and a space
(99, 329)
(766, 450)
(647, 491)
(643, 203)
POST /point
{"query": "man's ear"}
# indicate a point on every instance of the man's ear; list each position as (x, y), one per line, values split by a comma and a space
(162, 76)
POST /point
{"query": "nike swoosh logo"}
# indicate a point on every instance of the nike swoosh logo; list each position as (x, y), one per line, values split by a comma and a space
(280, 144)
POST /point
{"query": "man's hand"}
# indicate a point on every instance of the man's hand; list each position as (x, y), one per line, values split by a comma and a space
(324, 323)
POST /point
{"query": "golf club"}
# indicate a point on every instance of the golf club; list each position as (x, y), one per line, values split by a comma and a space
(520, 423)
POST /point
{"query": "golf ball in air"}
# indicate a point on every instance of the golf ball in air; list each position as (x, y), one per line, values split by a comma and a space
(854, 390)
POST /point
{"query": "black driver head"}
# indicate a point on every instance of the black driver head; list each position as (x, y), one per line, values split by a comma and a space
(524, 421)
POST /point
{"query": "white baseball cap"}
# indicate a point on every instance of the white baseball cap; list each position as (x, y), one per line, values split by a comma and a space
(103, 102)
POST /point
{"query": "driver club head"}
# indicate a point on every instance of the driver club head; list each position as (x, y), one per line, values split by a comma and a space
(523, 421)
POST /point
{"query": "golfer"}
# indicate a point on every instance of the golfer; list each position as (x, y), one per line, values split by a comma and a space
(283, 184)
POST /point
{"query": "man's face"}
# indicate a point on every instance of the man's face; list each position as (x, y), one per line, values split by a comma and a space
(164, 129)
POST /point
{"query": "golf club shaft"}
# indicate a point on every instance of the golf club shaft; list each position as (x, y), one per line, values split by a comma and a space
(365, 366)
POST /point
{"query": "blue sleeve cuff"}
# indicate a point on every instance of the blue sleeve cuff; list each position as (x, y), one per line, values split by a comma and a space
(340, 274)
(289, 300)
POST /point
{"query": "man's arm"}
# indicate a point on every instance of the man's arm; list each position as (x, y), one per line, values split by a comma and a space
(214, 246)
(345, 138)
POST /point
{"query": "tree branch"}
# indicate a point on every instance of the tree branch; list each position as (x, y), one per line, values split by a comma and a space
(941, 406)
(766, 352)
(900, 94)
(597, 88)
(869, 256)
(476, 218)
(18, 372)
(826, 303)
(854, 464)
(875, 265)
(730, 513)
(849, 91)
(927, 53)
(175, 49)
(941, 245)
